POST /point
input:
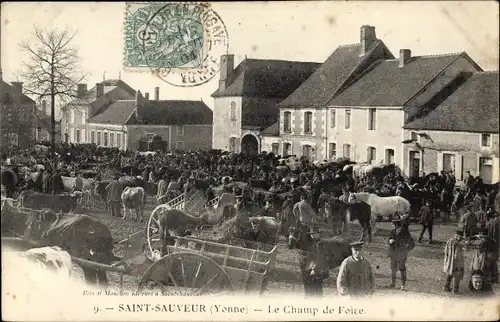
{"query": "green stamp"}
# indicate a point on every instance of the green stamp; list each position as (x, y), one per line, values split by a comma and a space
(182, 43)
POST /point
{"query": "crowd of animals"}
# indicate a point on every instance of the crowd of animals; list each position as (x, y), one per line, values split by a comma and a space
(260, 191)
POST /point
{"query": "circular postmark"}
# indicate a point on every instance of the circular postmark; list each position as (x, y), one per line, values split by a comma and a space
(181, 43)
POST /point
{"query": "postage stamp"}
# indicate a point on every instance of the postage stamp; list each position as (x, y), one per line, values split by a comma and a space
(182, 43)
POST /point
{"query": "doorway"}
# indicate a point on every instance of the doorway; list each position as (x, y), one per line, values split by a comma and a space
(414, 164)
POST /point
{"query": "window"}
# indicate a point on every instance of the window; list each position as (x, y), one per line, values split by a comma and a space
(333, 118)
(287, 149)
(287, 122)
(180, 130)
(78, 138)
(233, 111)
(372, 118)
(371, 155)
(389, 156)
(275, 148)
(84, 117)
(112, 139)
(180, 145)
(347, 150)
(414, 136)
(72, 116)
(37, 133)
(347, 119)
(92, 137)
(306, 151)
(448, 162)
(232, 144)
(99, 137)
(486, 170)
(77, 118)
(308, 122)
(119, 140)
(486, 140)
(332, 150)
(105, 141)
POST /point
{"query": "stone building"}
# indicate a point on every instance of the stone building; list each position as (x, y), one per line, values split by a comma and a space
(246, 100)
(462, 133)
(17, 116)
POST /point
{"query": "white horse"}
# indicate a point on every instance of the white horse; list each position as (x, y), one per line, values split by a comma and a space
(383, 206)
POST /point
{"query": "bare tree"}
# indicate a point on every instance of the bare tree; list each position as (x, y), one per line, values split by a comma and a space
(51, 70)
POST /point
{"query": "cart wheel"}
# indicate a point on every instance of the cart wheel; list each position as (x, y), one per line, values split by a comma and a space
(187, 274)
(153, 230)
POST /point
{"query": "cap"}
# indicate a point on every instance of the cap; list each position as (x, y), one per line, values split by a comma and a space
(356, 244)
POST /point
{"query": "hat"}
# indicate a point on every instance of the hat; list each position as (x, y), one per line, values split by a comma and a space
(358, 244)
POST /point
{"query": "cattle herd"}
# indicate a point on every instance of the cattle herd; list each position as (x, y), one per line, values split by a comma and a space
(268, 189)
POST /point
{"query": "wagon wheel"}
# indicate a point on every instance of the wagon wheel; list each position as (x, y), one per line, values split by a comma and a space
(188, 274)
(153, 230)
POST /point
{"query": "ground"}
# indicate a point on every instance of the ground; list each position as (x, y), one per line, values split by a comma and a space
(424, 265)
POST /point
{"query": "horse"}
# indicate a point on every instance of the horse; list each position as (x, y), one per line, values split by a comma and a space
(383, 206)
(9, 180)
(317, 256)
(344, 214)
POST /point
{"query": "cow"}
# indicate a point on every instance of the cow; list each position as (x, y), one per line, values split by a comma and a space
(59, 203)
(80, 235)
(51, 258)
(134, 199)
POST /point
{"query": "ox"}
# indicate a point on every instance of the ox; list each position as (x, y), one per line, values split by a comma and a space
(134, 199)
(58, 203)
(51, 258)
(265, 229)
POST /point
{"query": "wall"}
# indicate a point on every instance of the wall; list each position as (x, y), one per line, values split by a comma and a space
(298, 138)
(267, 143)
(386, 135)
(224, 128)
(194, 136)
(466, 146)
(17, 119)
(107, 128)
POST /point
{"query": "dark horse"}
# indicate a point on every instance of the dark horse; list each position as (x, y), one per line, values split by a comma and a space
(9, 180)
(317, 256)
(341, 214)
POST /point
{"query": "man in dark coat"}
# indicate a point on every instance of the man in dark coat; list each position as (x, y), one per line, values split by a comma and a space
(114, 190)
(57, 183)
(400, 244)
(427, 220)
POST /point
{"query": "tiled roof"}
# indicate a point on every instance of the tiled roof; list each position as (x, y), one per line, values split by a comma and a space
(173, 113)
(328, 79)
(8, 95)
(387, 84)
(473, 107)
(272, 130)
(108, 86)
(266, 78)
(117, 113)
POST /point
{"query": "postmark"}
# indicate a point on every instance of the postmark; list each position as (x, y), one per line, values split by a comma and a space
(181, 43)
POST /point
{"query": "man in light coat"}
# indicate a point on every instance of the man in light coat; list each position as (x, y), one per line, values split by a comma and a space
(356, 276)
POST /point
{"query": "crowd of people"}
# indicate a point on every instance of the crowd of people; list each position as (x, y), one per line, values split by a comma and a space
(310, 185)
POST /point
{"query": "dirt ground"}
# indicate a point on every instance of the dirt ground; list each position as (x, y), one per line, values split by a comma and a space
(424, 265)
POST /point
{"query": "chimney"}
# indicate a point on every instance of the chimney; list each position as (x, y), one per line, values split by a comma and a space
(81, 90)
(146, 96)
(138, 102)
(157, 93)
(404, 57)
(367, 38)
(18, 87)
(46, 109)
(99, 90)
(226, 67)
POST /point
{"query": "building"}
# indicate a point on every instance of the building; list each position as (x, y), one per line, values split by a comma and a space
(247, 97)
(88, 103)
(43, 127)
(462, 133)
(144, 124)
(305, 121)
(16, 116)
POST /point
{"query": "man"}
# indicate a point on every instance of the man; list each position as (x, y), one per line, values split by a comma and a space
(454, 262)
(400, 244)
(303, 211)
(493, 228)
(78, 184)
(161, 196)
(427, 220)
(57, 183)
(114, 191)
(355, 276)
(468, 222)
(322, 200)
(46, 181)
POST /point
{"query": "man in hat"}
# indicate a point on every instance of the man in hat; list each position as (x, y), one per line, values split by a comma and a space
(356, 276)
(303, 211)
(114, 191)
(454, 262)
(78, 184)
(427, 220)
(400, 244)
(161, 196)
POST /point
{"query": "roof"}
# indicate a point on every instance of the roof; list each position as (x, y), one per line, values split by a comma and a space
(8, 95)
(473, 107)
(117, 113)
(328, 79)
(266, 78)
(272, 130)
(173, 112)
(387, 84)
(108, 86)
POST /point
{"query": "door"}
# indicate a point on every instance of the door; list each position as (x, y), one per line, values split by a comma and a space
(414, 164)
(486, 169)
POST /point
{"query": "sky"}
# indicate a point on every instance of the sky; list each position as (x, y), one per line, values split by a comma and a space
(300, 31)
